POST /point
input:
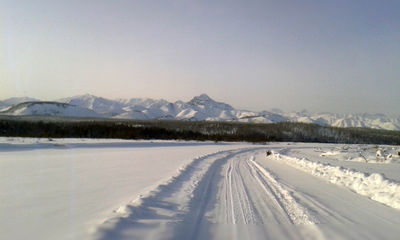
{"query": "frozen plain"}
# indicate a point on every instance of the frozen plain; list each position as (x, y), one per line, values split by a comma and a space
(115, 189)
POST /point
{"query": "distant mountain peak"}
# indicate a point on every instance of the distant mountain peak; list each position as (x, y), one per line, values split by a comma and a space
(86, 96)
(204, 96)
(206, 101)
(201, 98)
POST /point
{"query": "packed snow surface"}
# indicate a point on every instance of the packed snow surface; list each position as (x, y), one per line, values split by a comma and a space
(118, 189)
(200, 108)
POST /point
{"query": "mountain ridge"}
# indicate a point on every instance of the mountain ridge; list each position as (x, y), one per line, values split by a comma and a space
(199, 108)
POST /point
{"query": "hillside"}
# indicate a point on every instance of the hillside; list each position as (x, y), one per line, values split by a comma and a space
(49, 109)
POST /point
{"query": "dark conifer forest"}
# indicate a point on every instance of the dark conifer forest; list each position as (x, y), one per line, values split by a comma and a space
(53, 127)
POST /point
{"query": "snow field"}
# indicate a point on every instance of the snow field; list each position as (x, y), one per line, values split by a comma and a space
(364, 153)
(55, 192)
(114, 189)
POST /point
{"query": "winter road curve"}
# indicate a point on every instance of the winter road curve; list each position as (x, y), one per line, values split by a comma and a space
(241, 194)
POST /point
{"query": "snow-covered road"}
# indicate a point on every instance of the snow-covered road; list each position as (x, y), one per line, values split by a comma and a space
(178, 190)
(242, 194)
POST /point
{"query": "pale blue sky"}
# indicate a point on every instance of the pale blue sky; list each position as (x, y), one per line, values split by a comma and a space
(338, 55)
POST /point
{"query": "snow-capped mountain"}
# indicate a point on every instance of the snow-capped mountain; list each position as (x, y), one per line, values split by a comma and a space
(5, 104)
(378, 121)
(200, 108)
(50, 109)
(105, 107)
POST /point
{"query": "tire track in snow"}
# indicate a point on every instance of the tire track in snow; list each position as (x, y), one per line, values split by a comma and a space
(182, 202)
(295, 212)
(229, 200)
(259, 201)
(224, 188)
(206, 195)
(241, 207)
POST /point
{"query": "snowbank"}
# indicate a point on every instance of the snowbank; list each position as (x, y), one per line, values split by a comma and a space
(375, 186)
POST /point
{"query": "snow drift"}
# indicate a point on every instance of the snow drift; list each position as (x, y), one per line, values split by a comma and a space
(375, 185)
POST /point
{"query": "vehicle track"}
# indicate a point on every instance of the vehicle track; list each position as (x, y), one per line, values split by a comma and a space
(226, 194)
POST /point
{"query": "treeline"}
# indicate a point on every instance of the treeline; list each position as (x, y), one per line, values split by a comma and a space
(50, 127)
